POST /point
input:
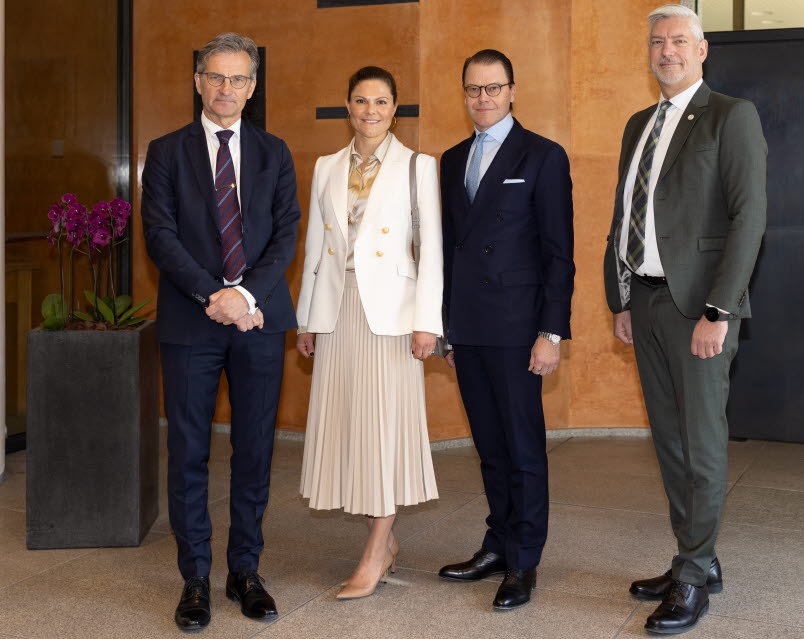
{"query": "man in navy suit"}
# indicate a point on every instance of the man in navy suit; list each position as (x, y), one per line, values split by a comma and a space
(220, 216)
(508, 280)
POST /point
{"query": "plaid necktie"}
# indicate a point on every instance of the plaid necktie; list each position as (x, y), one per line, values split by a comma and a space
(473, 172)
(639, 197)
(234, 259)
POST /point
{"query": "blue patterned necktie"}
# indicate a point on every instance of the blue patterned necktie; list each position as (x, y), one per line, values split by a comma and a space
(635, 255)
(234, 259)
(473, 173)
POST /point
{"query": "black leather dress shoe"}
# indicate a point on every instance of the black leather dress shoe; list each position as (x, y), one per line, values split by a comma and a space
(483, 564)
(193, 611)
(655, 589)
(255, 602)
(515, 589)
(680, 610)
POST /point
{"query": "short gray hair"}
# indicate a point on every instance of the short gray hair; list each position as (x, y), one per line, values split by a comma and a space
(677, 11)
(229, 43)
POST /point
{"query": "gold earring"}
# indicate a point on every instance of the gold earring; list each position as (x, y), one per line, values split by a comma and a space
(393, 124)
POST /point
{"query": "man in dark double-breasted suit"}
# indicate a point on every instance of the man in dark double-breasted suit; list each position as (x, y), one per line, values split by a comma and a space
(220, 217)
(508, 281)
(689, 214)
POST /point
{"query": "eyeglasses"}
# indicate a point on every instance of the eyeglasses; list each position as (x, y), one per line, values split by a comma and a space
(492, 90)
(216, 80)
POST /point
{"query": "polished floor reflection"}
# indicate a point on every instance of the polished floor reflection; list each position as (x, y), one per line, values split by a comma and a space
(608, 526)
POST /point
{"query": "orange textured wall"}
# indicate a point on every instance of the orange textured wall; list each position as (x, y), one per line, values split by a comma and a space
(580, 73)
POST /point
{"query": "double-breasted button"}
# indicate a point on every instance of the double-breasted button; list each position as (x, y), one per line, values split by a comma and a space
(380, 253)
(385, 229)
(459, 246)
(499, 217)
(331, 251)
(489, 248)
(485, 280)
(327, 227)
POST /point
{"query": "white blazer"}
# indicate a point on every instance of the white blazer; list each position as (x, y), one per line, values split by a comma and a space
(396, 298)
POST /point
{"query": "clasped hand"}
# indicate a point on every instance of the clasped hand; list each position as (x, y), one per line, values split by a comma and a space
(229, 306)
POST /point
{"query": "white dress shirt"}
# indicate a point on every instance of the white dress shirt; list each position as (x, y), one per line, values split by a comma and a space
(213, 144)
(652, 264)
(495, 136)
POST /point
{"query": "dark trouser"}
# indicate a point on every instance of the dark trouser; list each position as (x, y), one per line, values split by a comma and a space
(503, 401)
(685, 397)
(253, 365)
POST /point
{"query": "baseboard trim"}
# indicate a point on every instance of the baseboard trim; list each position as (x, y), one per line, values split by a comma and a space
(636, 432)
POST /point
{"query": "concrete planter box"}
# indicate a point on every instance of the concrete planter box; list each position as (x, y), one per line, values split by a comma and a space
(93, 437)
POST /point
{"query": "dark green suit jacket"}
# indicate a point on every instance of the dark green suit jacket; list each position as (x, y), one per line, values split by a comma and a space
(709, 205)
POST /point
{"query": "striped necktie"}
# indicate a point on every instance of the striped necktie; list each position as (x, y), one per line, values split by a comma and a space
(234, 259)
(473, 172)
(639, 197)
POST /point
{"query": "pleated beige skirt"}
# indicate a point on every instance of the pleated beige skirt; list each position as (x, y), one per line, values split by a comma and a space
(366, 448)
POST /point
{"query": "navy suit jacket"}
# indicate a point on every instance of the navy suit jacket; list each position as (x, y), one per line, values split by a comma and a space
(508, 267)
(182, 233)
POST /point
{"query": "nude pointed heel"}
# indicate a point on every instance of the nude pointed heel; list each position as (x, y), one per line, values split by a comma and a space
(351, 591)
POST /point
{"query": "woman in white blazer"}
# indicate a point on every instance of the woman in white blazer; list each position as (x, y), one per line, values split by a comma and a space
(372, 315)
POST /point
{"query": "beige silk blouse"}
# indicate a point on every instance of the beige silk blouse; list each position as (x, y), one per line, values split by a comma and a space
(360, 183)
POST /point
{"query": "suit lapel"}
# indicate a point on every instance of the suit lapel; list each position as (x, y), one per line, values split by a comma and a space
(198, 156)
(338, 186)
(248, 167)
(698, 105)
(508, 156)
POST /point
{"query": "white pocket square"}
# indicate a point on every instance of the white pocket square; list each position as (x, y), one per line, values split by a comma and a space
(514, 181)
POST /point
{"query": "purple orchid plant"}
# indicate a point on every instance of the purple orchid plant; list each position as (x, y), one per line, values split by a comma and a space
(94, 232)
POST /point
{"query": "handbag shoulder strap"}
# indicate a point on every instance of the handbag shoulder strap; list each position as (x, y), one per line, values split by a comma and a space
(414, 207)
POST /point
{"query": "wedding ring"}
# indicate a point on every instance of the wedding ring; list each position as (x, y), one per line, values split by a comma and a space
(538, 370)
(432, 352)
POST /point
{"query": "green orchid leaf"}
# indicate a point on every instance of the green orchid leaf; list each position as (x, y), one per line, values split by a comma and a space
(52, 324)
(121, 303)
(53, 306)
(133, 310)
(102, 306)
(82, 316)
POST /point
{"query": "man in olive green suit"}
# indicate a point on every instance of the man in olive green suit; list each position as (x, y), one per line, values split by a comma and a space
(689, 215)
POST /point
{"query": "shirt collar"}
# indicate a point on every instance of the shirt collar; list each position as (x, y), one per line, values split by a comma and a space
(681, 100)
(379, 153)
(499, 131)
(210, 128)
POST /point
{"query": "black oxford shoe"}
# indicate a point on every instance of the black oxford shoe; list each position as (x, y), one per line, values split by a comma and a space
(483, 564)
(680, 609)
(255, 602)
(515, 589)
(193, 611)
(655, 589)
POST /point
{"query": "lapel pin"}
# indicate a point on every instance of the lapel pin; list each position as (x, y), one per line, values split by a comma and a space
(690, 117)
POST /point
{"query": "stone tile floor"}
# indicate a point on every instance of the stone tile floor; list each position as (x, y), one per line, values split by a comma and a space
(608, 526)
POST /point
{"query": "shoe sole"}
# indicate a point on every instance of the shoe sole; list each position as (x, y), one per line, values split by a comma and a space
(678, 631)
(507, 608)
(714, 589)
(491, 574)
(191, 629)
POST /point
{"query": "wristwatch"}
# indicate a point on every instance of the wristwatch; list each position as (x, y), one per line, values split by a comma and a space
(714, 315)
(550, 337)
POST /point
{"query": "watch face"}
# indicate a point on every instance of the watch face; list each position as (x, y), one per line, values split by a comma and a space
(712, 314)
